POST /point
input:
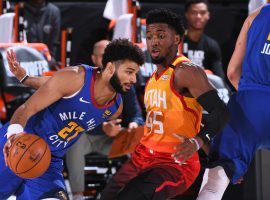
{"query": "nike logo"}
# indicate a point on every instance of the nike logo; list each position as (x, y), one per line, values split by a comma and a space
(81, 100)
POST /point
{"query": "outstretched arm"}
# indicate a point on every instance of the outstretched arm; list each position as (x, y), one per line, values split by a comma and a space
(20, 73)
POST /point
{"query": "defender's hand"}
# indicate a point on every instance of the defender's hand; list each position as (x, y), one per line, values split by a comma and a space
(8, 144)
(14, 66)
(112, 128)
(186, 149)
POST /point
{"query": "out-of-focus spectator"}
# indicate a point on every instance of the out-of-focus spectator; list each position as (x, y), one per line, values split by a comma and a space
(43, 24)
(197, 46)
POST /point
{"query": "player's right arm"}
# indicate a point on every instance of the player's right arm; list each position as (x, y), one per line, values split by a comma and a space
(20, 73)
(64, 83)
(235, 65)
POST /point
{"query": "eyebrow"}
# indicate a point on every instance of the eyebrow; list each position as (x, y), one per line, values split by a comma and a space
(129, 68)
(159, 30)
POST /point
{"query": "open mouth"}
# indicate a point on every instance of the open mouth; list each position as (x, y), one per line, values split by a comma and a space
(155, 53)
(127, 86)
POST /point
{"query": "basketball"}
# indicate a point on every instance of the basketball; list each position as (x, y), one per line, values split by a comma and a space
(29, 156)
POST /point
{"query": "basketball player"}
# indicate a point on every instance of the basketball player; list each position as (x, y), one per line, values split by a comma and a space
(166, 163)
(247, 131)
(74, 100)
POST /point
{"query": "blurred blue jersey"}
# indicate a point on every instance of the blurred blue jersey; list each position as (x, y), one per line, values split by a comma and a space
(256, 66)
(62, 122)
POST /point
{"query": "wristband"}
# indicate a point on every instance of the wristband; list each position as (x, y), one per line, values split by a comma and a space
(193, 140)
(24, 78)
(14, 129)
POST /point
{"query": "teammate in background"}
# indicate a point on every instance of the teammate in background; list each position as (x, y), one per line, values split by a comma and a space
(75, 99)
(233, 149)
(166, 163)
(97, 140)
(201, 49)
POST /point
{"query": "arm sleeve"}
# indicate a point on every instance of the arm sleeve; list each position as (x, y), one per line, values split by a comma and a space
(217, 117)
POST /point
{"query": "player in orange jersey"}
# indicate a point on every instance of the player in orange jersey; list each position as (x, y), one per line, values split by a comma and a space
(166, 163)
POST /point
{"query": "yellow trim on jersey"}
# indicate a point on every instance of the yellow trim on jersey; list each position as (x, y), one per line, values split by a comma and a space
(268, 38)
(179, 60)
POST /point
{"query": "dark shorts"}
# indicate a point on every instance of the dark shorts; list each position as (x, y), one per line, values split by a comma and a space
(151, 175)
(246, 132)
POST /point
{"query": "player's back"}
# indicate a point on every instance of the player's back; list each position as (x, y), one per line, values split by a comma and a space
(256, 65)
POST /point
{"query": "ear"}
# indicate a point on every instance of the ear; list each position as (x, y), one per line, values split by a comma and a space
(177, 39)
(93, 58)
(208, 16)
(110, 68)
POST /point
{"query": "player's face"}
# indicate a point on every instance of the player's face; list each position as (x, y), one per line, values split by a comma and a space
(162, 42)
(197, 16)
(124, 76)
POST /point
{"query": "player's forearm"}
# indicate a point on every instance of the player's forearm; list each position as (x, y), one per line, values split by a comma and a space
(234, 75)
(21, 115)
(35, 82)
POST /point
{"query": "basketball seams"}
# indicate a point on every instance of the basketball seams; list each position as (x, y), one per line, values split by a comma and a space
(24, 153)
(9, 162)
(46, 147)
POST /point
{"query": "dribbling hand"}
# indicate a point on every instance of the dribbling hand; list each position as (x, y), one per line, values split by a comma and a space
(8, 144)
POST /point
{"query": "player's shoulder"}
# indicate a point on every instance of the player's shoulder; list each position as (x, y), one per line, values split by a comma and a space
(188, 66)
(70, 73)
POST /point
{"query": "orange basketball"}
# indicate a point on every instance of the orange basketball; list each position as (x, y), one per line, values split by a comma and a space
(29, 156)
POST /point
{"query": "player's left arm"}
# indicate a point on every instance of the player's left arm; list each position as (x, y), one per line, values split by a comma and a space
(195, 80)
(20, 73)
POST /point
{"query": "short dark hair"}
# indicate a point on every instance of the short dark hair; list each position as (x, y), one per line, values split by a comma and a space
(188, 3)
(122, 49)
(166, 16)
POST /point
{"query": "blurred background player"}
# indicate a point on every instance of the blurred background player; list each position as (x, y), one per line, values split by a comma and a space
(233, 149)
(201, 49)
(98, 141)
(43, 24)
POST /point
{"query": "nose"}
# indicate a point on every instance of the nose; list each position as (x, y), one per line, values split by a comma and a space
(154, 41)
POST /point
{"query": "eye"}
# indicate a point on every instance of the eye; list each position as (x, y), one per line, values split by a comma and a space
(148, 37)
(161, 36)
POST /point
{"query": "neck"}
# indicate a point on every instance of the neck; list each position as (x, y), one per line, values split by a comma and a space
(194, 35)
(107, 94)
(169, 59)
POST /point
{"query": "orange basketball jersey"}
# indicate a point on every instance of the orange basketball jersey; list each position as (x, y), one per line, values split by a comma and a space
(168, 112)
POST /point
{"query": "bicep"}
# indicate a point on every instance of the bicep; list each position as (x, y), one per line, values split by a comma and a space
(54, 89)
(239, 52)
(194, 79)
(47, 94)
